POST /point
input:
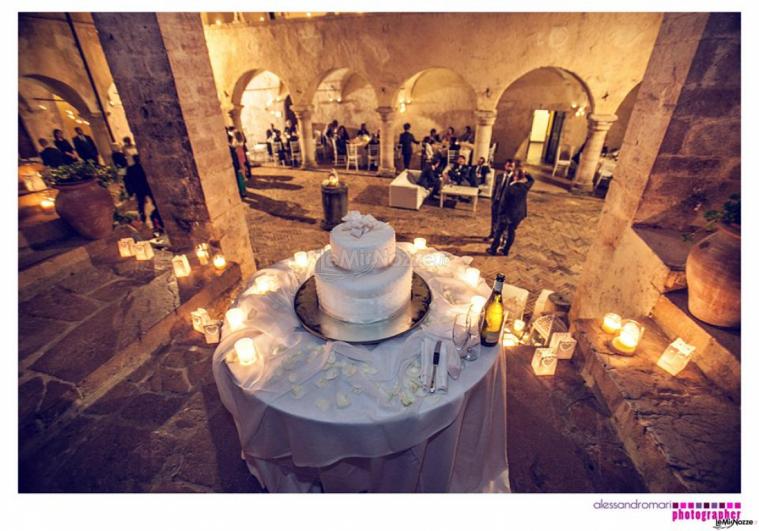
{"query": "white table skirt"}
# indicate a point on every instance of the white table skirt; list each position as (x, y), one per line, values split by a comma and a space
(315, 415)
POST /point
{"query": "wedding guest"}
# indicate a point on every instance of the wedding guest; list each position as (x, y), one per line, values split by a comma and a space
(136, 184)
(512, 209)
(341, 140)
(480, 171)
(362, 131)
(459, 172)
(467, 136)
(331, 130)
(51, 156)
(269, 140)
(427, 151)
(430, 177)
(434, 137)
(406, 140)
(118, 159)
(238, 166)
(499, 181)
(85, 146)
(64, 146)
(129, 150)
(449, 134)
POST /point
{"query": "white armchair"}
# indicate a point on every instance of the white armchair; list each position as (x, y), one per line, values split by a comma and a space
(486, 188)
(405, 193)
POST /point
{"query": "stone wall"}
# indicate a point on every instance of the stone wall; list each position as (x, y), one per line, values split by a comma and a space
(607, 51)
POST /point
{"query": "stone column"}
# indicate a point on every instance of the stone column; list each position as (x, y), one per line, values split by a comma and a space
(598, 126)
(483, 134)
(303, 114)
(161, 68)
(387, 142)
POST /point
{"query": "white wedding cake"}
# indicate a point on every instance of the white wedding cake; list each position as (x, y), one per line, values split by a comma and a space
(363, 278)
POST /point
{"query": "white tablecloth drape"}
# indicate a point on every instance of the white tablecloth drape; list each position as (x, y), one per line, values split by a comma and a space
(317, 415)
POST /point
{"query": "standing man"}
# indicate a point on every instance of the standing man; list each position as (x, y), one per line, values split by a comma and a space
(51, 156)
(407, 149)
(64, 146)
(512, 209)
(505, 177)
(85, 147)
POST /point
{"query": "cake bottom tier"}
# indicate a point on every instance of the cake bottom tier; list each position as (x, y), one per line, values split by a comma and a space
(363, 297)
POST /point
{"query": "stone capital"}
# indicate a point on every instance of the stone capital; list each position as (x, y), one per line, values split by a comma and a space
(485, 118)
(386, 113)
(601, 122)
(302, 110)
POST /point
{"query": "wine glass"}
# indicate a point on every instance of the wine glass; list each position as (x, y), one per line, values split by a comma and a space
(462, 334)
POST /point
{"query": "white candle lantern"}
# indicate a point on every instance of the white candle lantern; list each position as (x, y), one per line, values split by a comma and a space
(143, 251)
(47, 203)
(518, 327)
(200, 318)
(472, 276)
(34, 183)
(563, 345)
(263, 284)
(628, 338)
(181, 266)
(219, 262)
(510, 340)
(544, 362)
(126, 247)
(212, 332)
(202, 253)
(301, 259)
(611, 323)
(245, 348)
(420, 243)
(676, 356)
(235, 318)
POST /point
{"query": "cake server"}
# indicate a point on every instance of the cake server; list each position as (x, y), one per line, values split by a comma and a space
(435, 363)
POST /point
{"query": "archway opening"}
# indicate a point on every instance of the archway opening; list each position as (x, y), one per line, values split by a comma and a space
(261, 99)
(347, 97)
(542, 116)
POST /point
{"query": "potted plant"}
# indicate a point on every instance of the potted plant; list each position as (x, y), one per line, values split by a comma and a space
(83, 199)
(713, 268)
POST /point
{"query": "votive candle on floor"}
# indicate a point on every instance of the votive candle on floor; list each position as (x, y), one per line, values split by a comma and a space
(211, 332)
(143, 251)
(202, 253)
(676, 356)
(200, 318)
(612, 323)
(245, 349)
(126, 247)
(219, 262)
(181, 266)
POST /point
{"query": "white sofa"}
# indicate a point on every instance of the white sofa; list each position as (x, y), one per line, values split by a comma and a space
(486, 188)
(406, 194)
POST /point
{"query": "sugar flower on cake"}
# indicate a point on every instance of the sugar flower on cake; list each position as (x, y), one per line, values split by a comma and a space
(358, 224)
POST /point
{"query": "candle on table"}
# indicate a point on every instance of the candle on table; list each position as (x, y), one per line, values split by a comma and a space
(629, 337)
(676, 356)
(245, 349)
(200, 318)
(518, 327)
(143, 251)
(202, 253)
(611, 323)
(472, 276)
(126, 247)
(420, 243)
(235, 318)
(181, 266)
(219, 262)
(301, 259)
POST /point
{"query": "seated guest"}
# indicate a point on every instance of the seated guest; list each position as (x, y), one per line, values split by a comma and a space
(331, 130)
(85, 146)
(275, 130)
(468, 135)
(341, 140)
(458, 172)
(434, 137)
(480, 171)
(64, 146)
(51, 156)
(362, 131)
(430, 177)
(375, 139)
(449, 134)
(289, 130)
(454, 144)
(269, 140)
(427, 152)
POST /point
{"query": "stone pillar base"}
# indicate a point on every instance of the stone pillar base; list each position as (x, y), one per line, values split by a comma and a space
(386, 172)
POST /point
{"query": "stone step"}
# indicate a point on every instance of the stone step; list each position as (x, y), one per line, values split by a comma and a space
(43, 229)
(681, 432)
(718, 350)
(670, 249)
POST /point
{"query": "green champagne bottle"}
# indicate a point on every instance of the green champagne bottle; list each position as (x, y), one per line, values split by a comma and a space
(490, 329)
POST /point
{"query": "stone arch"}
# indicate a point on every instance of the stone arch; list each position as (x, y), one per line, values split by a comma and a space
(435, 97)
(276, 102)
(345, 95)
(64, 90)
(617, 131)
(557, 90)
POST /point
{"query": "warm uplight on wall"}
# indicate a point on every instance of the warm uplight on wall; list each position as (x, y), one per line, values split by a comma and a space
(579, 109)
(42, 107)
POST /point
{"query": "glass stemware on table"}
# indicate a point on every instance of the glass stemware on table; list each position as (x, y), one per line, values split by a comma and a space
(466, 328)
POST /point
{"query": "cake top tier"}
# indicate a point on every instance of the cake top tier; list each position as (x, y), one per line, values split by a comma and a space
(362, 243)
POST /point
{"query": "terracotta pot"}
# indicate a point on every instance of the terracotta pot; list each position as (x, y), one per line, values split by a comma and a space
(713, 272)
(87, 207)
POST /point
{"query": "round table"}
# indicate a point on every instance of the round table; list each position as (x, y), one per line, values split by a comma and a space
(315, 415)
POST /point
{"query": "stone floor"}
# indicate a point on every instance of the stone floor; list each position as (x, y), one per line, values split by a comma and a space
(162, 428)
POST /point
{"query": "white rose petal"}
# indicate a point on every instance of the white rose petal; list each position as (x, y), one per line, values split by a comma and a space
(332, 374)
(298, 391)
(343, 401)
(322, 404)
(407, 399)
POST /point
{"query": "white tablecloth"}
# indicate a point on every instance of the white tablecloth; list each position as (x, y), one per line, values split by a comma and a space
(318, 415)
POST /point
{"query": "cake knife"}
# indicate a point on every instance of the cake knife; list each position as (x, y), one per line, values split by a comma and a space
(435, 363)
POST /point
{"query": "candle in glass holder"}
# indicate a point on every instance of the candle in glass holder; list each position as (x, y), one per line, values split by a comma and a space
(629, 337)
(245, 349)
(518, 327)
(126, 247)
(301, 259)
(202, 253)
(676, 356)
(544, 362)
(181, 266)
(219, 262)
(472, 276)
(200, 318)
(47, 203)
(420, 243)
(143, 251)
(211, 331)
(235, 318)
(611, 323)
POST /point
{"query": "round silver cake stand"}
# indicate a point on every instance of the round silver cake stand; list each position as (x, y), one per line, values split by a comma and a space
(324, 326)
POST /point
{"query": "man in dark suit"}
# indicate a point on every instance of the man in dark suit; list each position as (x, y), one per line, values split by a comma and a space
(499, 180)
(480, 171)
(430, 177)
(64, 146)
(512, 209)
(407, 149)
(459, 172)
(85, 146)
(51, 157)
